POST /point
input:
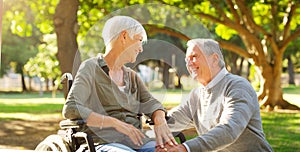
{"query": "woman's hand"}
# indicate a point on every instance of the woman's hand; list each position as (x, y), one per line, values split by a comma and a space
(133, 133)
(162, 131)
(102, 121)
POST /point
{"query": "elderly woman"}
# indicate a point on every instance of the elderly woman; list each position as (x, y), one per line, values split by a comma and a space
(109, 95)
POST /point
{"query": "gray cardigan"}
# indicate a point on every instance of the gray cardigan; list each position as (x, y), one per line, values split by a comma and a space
(93, 90)
(226, 115)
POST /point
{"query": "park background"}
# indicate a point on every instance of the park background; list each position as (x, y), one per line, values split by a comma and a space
(41, 38)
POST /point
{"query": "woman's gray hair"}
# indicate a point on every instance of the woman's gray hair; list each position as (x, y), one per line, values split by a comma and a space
(115, 25)
(208, 47)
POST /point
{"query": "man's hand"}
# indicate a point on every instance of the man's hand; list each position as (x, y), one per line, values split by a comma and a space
(169, 148)
(162, 131)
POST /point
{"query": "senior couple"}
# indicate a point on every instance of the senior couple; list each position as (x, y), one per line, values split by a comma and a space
(108, 95)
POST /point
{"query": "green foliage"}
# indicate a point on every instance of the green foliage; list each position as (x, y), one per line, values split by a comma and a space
(152, 15)
(45, 63)
(224, 32)
(15, 49)
(254, 78)
(32, 17)
(28, 15)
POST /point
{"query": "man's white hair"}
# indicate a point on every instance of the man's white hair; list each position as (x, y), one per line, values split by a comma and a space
(115, 25)
(208, 47)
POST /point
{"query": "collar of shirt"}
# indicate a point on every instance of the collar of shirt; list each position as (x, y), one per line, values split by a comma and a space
(102, 64)
(101, 61)
(215, 80)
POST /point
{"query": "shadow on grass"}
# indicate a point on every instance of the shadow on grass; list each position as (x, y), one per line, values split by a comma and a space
(24, 134)
(282, 130)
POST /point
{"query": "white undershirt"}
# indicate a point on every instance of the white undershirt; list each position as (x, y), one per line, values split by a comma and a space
(121, 88)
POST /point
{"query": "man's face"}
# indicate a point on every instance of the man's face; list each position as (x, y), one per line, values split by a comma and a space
(198, 64)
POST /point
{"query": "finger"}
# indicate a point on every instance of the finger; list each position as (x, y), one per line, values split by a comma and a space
(159, 149)
(159, 141)
(138, 136)
(171, 140)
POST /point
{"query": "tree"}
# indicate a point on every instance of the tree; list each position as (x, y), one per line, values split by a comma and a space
(21, 33)
(44, 64)
(266, 29)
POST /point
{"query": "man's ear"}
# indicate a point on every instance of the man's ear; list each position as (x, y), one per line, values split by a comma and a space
(216, 59)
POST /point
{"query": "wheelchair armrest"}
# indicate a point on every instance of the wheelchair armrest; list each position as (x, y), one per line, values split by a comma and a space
(68, 123)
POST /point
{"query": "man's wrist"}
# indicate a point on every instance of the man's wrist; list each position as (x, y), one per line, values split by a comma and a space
(186, 147)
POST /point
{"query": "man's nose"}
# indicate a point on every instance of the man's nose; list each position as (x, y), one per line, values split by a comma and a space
(188, 61)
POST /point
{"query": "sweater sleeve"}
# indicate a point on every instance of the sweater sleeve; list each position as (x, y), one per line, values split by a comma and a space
(79, 93)
(182, 114)
(148, 104)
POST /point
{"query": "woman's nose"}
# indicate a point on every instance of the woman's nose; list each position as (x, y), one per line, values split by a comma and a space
(140, 48)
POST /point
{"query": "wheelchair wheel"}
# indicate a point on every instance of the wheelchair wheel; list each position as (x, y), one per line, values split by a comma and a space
(53, 143)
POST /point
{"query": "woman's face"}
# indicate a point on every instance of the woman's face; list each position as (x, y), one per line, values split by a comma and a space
(132, 47)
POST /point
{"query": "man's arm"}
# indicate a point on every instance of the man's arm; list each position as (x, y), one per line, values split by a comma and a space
(238, 109)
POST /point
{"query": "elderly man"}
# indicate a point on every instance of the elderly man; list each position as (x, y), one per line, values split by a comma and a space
(224, 109)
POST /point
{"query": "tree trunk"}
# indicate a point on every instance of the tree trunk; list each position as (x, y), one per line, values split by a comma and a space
(47, 84)
(291, 70)
(271, 95)
(66, 28)
(20, 69)
(166, 75)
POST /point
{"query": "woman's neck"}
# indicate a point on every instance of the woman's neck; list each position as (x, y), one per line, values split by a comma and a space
(113, 61)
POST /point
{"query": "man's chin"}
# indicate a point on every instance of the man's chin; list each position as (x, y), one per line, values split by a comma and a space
(194, 76)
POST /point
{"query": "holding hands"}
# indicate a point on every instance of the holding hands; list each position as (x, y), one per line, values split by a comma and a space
(162, 131)
(171, 148)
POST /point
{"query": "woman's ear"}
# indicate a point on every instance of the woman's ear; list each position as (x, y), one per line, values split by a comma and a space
(123, 36)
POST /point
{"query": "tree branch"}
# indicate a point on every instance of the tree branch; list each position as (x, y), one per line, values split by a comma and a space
(234, 11)
(289, 17)
(248, 20)
(234, 48)
(165, 30)
(289, 39)
(219, 10)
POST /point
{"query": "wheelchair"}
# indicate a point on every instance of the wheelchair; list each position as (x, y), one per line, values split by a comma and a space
(70, 139)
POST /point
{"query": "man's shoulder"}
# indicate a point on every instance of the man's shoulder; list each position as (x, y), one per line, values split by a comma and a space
(235, 78)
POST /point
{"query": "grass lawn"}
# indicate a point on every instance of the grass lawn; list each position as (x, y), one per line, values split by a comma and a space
(282, 129)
